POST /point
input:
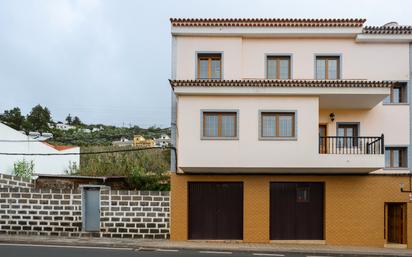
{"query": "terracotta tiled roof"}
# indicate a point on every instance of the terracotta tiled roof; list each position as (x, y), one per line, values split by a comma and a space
(280, 83)
(60, 147)
(388, 30)
(262, 22)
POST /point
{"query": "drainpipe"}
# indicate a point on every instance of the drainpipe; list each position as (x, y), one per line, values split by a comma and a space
(173, 127)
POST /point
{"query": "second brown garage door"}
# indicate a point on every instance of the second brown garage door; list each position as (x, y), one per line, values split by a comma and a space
(216, 210)
(296, 211)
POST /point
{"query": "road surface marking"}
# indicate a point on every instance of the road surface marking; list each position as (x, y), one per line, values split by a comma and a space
(167, 250)
(69, 246)
(213, 252)
(268, 254)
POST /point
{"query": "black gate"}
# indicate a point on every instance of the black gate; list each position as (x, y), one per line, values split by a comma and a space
(216, 210)
(296, 210)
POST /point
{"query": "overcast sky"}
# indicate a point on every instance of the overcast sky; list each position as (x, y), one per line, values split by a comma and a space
(108, 61)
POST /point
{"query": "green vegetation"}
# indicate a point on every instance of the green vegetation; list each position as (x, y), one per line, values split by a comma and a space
(145, 170)
(24, 169)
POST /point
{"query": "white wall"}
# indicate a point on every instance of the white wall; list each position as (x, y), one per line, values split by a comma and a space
(42, 164)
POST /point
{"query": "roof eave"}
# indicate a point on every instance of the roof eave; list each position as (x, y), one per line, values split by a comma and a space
(384, 38)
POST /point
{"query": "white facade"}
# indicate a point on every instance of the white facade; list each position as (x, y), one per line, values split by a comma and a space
(13, 141)
(243, 51)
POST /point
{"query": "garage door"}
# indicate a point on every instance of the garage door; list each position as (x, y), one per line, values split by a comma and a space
(216, 210)
(296, 211)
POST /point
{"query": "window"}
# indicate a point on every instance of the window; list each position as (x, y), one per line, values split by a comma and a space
(277, 124)
(347, 135)
(209, 66)
(396, 157)
(398, 94)
(219, 125)
(302, 194)
(327, 67)
(278, 67)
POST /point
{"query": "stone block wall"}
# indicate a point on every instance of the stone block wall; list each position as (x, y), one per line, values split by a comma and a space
(58, 212)
(12, 181)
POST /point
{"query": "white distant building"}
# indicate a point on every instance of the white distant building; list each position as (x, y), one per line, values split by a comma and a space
(13, 141)
(63, 126)
(123, 142)
(163, 141)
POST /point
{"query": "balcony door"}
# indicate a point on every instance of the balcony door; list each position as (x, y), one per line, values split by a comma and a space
(347, 133)
(322, 138)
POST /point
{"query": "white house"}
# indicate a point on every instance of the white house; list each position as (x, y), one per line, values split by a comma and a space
(13, 141)
(163, 141)
(63, 126)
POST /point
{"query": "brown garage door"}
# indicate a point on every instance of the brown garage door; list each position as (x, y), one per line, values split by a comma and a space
(296, 211)
(216, 210)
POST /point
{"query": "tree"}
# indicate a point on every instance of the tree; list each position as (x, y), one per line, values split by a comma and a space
(24, 169)
(13, 118)
(39, 119)
(76, 121)
(69, 119)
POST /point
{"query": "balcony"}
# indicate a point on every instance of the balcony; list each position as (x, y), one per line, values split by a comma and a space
(351, 145)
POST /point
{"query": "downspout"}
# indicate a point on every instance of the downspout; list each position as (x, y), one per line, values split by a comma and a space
(173, 127)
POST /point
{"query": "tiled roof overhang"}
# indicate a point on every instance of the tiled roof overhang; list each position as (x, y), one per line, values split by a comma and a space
(283, 83)
(263, 22)
(396, 30)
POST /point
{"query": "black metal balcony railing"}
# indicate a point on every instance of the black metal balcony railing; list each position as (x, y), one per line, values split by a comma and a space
(351, 145)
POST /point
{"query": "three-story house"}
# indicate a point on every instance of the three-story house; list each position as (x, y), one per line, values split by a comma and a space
(291, 130)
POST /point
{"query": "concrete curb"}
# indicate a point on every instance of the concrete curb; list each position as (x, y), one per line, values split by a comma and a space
(154, 245)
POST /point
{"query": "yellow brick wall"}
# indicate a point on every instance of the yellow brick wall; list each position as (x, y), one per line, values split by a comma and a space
(354, 206)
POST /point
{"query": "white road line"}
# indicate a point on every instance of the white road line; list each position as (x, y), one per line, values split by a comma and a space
(268, 254)
(318, 256)
(167, 250)
(68, 246)
(213, 252)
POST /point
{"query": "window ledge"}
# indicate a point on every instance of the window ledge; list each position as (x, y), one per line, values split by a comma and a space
(396, 169)
(395, 103)
(219, 138)
(278, 138)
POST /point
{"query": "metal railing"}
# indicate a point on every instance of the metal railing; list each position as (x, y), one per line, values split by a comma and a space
(351, 145)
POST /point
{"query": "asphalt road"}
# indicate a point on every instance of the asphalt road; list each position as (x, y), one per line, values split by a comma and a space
(11, 250)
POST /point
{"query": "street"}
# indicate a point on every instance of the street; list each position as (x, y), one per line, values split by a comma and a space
(16, 250)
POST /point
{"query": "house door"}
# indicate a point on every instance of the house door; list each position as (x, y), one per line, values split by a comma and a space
(296, 211)
(322, 138)
(91, 208)
(216, 210)
(396, 223)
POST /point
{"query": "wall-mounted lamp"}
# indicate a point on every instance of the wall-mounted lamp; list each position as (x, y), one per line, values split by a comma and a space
(332, 116)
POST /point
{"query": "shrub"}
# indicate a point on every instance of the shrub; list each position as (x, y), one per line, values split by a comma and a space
(24, 169)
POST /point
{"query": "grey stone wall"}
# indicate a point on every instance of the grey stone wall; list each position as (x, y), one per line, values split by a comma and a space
(124, 214)
(11, 181)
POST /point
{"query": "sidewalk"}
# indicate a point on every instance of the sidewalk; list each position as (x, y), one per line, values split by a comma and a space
(216, 246)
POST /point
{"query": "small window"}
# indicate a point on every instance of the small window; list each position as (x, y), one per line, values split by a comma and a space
(396, 157)
(302, 195)
(277, 124)
(219, 124)
(398, 94)
(209, 66)
(278, 67)
(327, 67)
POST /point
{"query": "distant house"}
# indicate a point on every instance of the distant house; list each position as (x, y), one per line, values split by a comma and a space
(13, 141)
(163, 141)
(63, 126)
(140, 141)
(123, 142)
